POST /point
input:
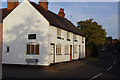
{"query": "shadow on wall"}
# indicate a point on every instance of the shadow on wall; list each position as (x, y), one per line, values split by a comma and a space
(18, 38)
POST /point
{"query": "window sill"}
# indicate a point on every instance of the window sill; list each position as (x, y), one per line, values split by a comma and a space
(68, 40)
(32, 54)
(66, 54)
(76, 40)
(59, 38)
(75, 52)
(58, 54)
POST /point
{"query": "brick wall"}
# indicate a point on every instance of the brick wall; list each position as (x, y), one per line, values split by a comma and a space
(44, 5)
(11, 5)
(61, 13)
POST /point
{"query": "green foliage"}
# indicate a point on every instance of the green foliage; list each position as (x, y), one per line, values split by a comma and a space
(94, 33)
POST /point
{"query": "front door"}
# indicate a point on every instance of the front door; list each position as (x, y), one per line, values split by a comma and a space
(70, 52)
(52, 53)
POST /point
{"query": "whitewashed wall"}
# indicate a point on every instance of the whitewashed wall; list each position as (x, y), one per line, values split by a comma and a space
(26, 19)
(18, 24)
(63, 57)
(53, 39)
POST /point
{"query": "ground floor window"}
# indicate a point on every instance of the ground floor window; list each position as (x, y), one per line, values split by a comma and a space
(66, 49)
(32, 49)
(7, 49)
(75, 49)
(58, 48)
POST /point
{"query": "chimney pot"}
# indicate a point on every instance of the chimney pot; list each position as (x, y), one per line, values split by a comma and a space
(61, 13)
(61, 10)
(11, 4)
(44, 4)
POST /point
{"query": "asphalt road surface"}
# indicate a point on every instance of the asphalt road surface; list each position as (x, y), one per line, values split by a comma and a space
(105, 67)
(0, 71)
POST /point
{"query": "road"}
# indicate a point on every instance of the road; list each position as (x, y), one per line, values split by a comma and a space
(0, 71)
(105, 67)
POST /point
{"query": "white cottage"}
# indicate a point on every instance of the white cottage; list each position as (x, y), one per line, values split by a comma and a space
(31, 31)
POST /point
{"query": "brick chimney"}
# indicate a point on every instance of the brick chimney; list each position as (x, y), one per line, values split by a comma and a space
(11, 4)
(61, 13)
(44, 4)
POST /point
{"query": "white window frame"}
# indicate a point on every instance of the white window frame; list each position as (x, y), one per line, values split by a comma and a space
(75, 49)
(75, 37)
(58, 49)
(32, 44)
(82, 39)
(68, 35)
(58, 32)
(66, 49)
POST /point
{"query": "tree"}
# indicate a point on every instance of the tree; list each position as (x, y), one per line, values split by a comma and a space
(95, 36)
(109, 42)
(94, 33)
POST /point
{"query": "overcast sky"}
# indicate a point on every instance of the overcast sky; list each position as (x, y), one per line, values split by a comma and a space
(105, 13)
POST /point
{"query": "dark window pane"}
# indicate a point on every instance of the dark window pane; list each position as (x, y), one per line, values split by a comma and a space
(7, 49)
(32, 49)
(28, 49)
(31, 36)
(37, 49)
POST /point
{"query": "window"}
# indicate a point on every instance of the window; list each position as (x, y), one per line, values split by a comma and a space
(58, 33)
(82, 40)
(7, 49)
(75, 49)
(66, 49)
(83, 49)
(31, 36)
(32, 48)
(75, 38)
(68, 36)
(58, 49)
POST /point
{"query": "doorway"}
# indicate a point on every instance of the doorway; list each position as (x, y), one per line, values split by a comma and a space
(52, 52)
(70, 52)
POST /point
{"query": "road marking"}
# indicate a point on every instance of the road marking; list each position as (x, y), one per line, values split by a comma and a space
(109, 68)
(96, 76)
(114, 62)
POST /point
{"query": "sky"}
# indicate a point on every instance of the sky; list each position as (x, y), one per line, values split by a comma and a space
(104, 13)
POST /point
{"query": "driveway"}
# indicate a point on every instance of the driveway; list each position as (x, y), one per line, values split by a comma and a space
(105, 67)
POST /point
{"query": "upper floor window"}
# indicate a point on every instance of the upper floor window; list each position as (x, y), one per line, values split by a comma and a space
(75, 38)
(58, 32)
(82, 40)
(31, 36)
(66, 49)
(32, 48)
(68, 36)
(58, 48)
